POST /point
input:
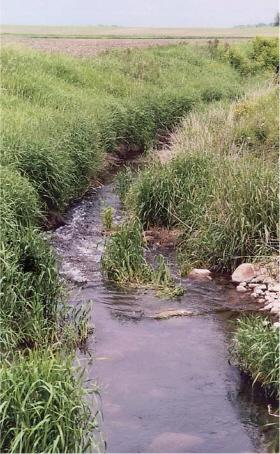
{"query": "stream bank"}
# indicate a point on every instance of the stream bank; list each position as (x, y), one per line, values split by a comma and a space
(166, 385)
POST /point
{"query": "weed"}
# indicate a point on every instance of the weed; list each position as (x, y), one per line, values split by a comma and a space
(124, 262)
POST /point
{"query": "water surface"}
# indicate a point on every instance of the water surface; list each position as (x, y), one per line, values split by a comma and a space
(166, 385)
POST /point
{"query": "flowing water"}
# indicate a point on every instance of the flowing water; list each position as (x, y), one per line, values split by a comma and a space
(166, 385)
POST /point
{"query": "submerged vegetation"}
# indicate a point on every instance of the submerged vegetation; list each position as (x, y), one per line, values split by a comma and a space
(60, 116)
(256, 350)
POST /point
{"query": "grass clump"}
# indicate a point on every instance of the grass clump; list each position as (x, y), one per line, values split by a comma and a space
(107, 218)
(124, 261)
(256, 351)
(44, 407)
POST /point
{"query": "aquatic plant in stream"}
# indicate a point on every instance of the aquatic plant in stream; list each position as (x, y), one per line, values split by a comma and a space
(124, 180)
(124, 261)
(107, 215)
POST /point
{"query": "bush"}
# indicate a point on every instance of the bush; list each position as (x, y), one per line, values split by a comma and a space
(261, 54)
(256, 350)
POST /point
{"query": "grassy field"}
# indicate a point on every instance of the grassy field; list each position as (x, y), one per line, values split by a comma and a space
(61, 117)
(138, 32)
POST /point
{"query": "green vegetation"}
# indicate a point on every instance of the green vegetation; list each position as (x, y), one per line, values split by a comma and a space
(60, 116)
(43, 406)
(256, 350)
(124, 261)
(261, 54)
(107, 217)
(218, 189)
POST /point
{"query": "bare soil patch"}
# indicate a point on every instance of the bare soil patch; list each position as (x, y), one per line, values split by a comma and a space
(81, 47)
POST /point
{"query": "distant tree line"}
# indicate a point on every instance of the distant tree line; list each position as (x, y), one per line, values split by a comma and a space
(275, 23)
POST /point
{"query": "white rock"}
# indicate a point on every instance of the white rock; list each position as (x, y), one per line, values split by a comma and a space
(268, 280)
(241, 289)
(268, 306)
(254, 295)
(276, 325)
(258, 279)
(261, 287)
(244, 272)
(261, 300)
(252, 285)
(258, 291)
(243, 284)
(199, 273)
(274, 288)
(275, 310)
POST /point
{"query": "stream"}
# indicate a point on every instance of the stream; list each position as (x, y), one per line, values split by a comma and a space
(166, 385)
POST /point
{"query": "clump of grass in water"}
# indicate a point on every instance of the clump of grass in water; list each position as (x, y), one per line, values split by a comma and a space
(124, 180)
(124, 261)
(44, 406)
(256, 351)
(163, 280)
(107, 216)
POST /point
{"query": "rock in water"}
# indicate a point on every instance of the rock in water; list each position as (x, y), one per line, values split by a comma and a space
(172, 313)
(199, 273)
(244, 273)
(175, 442)
(241, 288)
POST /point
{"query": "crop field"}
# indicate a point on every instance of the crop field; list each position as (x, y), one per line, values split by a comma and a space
(89, 41)
(139, 32)
(62, 119)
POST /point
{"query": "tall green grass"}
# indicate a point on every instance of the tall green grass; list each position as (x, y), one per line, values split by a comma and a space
(44, 407)
(60, 116)
(218, 188)
(256, 350)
